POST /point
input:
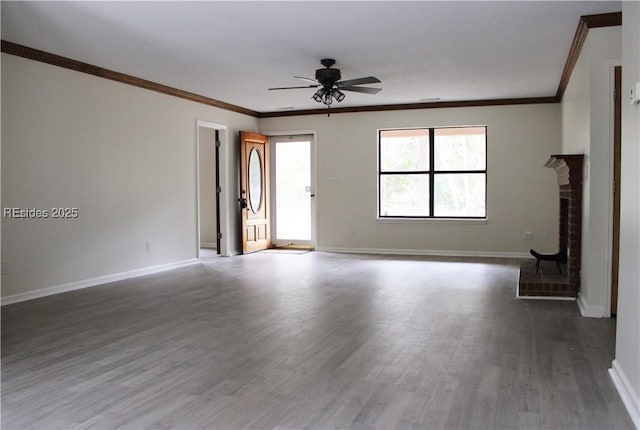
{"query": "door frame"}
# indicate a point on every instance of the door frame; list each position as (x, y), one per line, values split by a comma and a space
(223, 163)
(612, 64)
(616, 189)
(314, 181)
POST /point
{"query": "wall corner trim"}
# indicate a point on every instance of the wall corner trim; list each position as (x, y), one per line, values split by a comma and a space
(630, 398)
(93, 282)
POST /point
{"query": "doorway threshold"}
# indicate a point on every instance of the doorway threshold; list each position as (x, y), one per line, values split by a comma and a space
(290, 249)
(294, 246)
(286, 251)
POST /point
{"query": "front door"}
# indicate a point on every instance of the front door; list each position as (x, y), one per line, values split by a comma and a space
(254, 191)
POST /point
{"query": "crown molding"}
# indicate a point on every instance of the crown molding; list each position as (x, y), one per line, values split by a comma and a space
(68, 63)
(586, 22)
(602, 20)
(409, 106)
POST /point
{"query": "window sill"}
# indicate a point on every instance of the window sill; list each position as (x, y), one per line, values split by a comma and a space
(401, 220)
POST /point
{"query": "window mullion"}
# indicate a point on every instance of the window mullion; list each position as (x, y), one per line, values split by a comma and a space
(460, 171)
(379, 172)
(431, 170)
(405, 172)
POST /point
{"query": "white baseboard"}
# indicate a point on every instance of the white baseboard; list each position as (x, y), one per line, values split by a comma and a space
(588, 310)
(426, 252)
(92, 282)
(208, 245)
(629, 397)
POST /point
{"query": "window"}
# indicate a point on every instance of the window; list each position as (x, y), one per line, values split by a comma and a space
(432, 173)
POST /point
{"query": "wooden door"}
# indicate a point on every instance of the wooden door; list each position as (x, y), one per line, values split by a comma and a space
(617, 129)
(254, 192)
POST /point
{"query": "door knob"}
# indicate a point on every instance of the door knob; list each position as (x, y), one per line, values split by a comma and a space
(243, 202)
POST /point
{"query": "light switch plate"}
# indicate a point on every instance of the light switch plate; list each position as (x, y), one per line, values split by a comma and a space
(634, 94)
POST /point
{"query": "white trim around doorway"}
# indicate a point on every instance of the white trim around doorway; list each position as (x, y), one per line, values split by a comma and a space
(314, 174)
(225, 242)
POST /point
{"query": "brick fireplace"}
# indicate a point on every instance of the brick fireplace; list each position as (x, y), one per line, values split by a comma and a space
(549, 281)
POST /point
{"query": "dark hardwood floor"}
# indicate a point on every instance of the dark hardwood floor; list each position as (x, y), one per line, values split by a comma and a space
(309, 341)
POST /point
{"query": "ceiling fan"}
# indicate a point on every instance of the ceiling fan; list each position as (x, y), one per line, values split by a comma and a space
(330, 85)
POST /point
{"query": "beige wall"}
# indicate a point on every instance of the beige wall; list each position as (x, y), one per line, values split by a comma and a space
(587, 128)
(626, 367)
(522, 194)
(124, 156)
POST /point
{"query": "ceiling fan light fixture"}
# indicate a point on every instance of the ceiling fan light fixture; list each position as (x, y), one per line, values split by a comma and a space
(319, 94)
(337, 94)
(329, 84)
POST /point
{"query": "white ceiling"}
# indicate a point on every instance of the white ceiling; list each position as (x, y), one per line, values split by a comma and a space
(234, 51)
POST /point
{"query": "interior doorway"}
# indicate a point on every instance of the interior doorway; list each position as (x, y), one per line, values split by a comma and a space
(293, 196)
(208, 175)
(212, 189)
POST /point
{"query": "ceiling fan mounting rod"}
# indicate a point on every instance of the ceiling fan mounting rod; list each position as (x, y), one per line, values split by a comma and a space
(327, 62)
(328, 77)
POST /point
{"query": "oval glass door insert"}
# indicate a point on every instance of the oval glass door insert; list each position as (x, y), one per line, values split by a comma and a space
(255, 180)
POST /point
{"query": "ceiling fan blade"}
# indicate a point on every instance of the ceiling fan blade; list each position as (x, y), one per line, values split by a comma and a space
(313, 81)
(358, 81)
(366, 90)
(294, 88)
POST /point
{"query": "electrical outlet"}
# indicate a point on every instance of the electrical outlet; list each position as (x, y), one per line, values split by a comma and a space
(148, 246)
(6, 267)
(528, 235)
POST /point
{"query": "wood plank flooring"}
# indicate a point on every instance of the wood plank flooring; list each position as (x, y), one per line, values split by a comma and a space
(309, 341)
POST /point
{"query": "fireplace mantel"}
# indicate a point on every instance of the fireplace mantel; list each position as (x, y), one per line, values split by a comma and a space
(568, 167)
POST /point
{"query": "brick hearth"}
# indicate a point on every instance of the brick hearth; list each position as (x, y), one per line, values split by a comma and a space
(549, 282)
